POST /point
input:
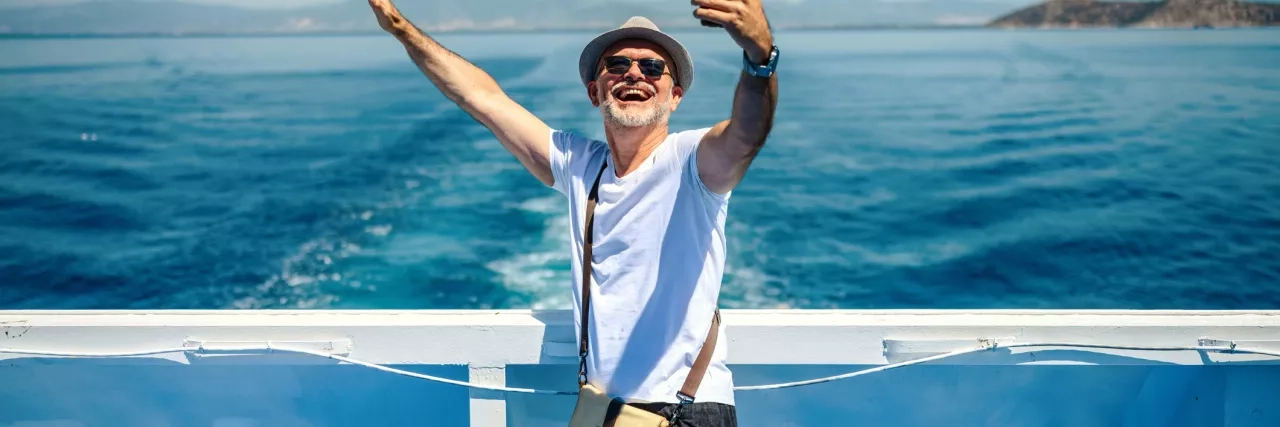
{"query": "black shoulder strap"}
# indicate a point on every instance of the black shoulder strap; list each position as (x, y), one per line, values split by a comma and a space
(586, 272)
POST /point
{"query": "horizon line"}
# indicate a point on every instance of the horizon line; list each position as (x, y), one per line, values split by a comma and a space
(905, 27)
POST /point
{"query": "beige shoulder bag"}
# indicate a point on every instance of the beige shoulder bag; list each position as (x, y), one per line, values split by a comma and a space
(594, 407)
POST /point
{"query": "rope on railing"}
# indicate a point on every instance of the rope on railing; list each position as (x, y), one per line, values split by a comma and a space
(987, 345)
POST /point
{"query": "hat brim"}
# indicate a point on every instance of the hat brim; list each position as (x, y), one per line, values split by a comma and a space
(587, 63)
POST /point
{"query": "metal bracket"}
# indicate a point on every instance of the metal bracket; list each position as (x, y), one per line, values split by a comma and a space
(1232, 344)
(340, 346)
(901, 350)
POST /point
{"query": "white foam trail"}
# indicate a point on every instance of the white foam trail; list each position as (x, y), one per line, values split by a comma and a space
(299, 283)
(916, 257)
(748, 288)
(744, 286)
(378, 230)
(544, 273)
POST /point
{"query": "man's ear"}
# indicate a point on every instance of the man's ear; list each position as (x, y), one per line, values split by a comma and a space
(677, 93)
(591, 93)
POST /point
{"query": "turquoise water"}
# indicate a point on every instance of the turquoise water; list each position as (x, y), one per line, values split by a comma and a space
(921, 169)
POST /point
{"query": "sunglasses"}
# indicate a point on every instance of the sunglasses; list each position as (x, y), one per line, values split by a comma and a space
(651, 67)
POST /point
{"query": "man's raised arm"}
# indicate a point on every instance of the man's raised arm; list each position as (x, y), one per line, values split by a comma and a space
(728, 149)
(523, 134)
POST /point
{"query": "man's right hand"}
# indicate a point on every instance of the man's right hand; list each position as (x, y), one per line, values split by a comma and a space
(389, 18)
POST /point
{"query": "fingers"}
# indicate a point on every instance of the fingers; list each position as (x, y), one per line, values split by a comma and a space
(716, 16)
(718, 13)
(722, 5)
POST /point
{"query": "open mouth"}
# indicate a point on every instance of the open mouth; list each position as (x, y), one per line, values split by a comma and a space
(632, 94)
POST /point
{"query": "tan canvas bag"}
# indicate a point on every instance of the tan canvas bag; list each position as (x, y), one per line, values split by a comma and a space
(594, 407)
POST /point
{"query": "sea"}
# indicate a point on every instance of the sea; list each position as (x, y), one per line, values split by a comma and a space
(907, 169)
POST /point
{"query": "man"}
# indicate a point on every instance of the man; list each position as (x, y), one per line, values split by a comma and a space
(657, 233)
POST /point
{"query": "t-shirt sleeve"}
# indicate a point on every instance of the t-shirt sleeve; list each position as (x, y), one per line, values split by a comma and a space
(566, 152)
(689, 142)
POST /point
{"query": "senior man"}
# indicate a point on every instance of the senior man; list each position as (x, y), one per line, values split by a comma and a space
(647, 206)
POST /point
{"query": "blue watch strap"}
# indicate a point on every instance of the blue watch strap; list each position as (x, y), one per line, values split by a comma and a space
(761, 70)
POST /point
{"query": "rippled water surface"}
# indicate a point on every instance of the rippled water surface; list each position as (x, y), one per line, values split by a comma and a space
(929, 169)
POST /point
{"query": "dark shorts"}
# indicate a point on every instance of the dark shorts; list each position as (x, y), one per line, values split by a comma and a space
(698, 414)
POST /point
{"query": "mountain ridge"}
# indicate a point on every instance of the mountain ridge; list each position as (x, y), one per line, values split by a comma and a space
(1161, 14)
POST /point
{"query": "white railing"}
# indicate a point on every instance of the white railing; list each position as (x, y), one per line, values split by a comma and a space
(487, 342)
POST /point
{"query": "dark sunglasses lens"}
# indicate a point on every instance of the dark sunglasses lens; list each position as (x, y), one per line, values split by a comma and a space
(651, 67)
(617, 64)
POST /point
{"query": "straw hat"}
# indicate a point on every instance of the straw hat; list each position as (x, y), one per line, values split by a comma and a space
(638, 27)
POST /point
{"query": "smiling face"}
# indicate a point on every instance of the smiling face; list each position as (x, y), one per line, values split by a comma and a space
(632, 98)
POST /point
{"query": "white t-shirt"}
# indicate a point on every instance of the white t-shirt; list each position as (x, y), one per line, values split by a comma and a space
(657, 262)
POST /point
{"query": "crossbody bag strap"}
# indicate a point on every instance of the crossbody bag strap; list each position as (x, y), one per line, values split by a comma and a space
(586, 272)
(700, 364)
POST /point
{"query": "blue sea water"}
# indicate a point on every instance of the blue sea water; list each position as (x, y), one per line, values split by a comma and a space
(907, 169)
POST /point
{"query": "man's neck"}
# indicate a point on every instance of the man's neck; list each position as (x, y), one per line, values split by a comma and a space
(631, 146)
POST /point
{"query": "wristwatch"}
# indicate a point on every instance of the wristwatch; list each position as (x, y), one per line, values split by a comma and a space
(761, 70)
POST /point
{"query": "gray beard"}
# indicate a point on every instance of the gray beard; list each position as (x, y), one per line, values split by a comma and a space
(633, 118)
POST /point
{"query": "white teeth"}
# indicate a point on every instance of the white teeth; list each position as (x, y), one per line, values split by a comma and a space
(629, 92)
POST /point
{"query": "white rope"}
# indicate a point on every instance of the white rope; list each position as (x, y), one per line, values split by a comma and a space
(858, 373)
(429, 377)
(1228, 349)
(94, 355)
(1232, 348)
(993, 346)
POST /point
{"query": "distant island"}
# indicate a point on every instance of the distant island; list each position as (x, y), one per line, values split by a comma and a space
(1137, 14)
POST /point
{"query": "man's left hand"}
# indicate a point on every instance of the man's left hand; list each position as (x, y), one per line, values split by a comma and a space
(745, 22)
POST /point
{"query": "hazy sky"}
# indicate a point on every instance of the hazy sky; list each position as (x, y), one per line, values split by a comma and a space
(242, 3)
(296, 3)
